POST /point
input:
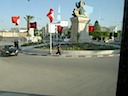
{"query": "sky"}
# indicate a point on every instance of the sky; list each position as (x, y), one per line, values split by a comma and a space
(107, 12)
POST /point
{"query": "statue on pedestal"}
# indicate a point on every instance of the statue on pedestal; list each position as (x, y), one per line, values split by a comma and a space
(80, 20)
(80, 11)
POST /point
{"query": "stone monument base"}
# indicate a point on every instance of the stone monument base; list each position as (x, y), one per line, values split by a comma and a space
(79, 30)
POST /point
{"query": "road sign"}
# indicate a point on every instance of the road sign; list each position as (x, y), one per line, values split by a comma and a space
(51, 28)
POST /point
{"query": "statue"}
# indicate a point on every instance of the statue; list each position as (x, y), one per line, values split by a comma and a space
(79, 11)
(80, 20)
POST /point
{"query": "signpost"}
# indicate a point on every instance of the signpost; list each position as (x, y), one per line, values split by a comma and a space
(51, 29)
(60, 25)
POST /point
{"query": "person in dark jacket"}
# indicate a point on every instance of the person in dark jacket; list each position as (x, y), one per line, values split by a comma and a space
(58, 49)
(16, 44)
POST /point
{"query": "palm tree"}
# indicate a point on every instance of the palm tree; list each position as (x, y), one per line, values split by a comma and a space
(28, 18)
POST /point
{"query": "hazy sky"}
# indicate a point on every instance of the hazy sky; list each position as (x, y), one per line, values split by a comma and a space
(107, 12)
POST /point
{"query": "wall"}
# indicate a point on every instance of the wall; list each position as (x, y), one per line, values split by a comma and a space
(13, 34)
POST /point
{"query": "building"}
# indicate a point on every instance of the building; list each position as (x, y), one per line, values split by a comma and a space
(113, 29)
(18, 29)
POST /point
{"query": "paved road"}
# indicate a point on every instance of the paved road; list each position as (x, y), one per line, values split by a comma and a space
(59, 76)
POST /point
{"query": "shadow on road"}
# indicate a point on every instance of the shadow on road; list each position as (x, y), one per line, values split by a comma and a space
(7, 93)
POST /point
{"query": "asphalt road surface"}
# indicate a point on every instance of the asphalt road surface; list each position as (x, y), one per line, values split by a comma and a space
(56, 76)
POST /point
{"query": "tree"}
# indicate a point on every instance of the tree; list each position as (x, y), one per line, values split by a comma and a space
(1, 38)
(96, 27)
(118, 33)
(78, 36)
(28, 18)
(69, 33)
(36, 32)
(97, 34)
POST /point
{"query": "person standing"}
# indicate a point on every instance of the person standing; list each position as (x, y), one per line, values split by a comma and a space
(16, 44)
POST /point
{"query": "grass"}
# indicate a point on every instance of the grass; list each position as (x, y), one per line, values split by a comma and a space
(31, 43)
(81, 46)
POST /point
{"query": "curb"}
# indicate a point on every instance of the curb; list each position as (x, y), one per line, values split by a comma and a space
(94, 56)
(77, 56)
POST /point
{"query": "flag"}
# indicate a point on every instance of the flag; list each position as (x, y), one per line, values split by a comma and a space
(59, 28)
(16, 20)
(91, 28)
(33, 25)
(51, 15)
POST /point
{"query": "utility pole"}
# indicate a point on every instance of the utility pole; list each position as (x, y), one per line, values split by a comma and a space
(122, 84)
(58, 21)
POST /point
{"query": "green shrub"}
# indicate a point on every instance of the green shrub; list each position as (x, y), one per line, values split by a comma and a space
(82, 46)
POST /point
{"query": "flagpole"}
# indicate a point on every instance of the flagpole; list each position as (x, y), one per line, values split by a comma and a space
(19, 31)
(50, 40)
(50, 43)
(50, 15)
(18, 36)
(56, 35)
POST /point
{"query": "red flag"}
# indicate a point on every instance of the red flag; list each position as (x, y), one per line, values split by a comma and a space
(59, 28)
(51, 15)
(16, 19)
(33, 25)
(91, 28)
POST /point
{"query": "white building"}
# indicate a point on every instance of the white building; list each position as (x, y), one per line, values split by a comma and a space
(113, 29)
(18, 29)
(62, 23)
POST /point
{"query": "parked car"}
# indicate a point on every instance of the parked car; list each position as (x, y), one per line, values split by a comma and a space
(7, 50)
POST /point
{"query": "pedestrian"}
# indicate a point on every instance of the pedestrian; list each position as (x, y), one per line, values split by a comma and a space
(16, 44)
(58, 49)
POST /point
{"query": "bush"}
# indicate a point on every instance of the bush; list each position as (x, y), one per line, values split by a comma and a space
(31, 43)
(99, 35)
(82, 46)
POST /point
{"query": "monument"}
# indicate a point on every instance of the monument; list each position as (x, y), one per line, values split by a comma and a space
(80, 20)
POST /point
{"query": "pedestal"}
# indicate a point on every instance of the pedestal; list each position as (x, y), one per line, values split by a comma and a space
(79, 30)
